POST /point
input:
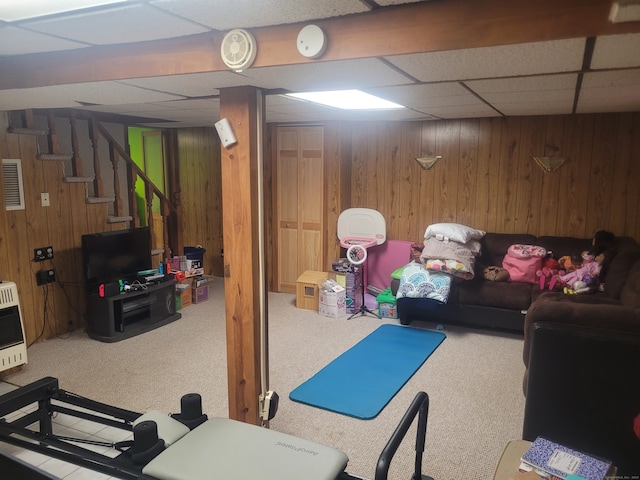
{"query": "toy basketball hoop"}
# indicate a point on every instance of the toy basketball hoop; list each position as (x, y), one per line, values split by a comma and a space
(361, 226)
(359, 229)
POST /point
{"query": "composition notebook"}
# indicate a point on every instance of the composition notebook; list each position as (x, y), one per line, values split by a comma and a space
(225, 449)
(561, 461)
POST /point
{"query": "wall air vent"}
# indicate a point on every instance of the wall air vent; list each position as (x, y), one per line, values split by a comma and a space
(12, 185)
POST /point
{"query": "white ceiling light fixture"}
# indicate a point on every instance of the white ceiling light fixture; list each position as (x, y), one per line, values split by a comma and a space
(15, 10)
(347, 100)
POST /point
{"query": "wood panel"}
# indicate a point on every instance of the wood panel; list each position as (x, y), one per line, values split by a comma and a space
(411, 28)
(488, 179)
(57, 308)
(201, 194)
(245, 299)
(299, 203)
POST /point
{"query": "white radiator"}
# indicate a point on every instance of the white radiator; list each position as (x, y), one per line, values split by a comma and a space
(13, 348)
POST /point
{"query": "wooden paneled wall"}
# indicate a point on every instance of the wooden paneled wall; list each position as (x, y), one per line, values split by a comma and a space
(57, 308)
(487, 177)
(201, 194)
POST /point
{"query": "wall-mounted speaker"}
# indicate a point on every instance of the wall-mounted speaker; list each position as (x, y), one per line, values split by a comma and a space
(225, 132)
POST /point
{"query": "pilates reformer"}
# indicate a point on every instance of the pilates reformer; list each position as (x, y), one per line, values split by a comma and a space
(183, 446)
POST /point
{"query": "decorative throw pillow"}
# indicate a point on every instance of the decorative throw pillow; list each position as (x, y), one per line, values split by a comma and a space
(495, 274)
(453, 232)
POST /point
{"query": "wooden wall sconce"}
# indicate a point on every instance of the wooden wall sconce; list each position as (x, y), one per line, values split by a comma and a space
(428, 162)
(549, 164)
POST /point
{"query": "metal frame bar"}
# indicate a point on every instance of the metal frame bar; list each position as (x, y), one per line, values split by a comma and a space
(51, 399)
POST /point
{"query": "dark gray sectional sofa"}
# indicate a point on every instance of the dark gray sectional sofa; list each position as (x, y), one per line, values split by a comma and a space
(503, 305)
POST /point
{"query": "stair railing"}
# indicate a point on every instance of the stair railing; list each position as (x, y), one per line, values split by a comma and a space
(168, 211)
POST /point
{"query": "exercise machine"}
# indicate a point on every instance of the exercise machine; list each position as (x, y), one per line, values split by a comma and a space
(183, 446)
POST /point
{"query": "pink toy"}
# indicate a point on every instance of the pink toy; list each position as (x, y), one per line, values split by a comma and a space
(548, 273)
(587, 273)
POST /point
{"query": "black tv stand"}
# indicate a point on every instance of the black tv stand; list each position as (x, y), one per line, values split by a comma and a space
(127, 314)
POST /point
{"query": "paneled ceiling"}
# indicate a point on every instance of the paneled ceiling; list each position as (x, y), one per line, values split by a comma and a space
(576, 74)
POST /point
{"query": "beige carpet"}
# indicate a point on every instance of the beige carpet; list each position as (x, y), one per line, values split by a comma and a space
(473, 380)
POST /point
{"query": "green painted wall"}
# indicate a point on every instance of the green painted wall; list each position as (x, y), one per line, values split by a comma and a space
(152, 169)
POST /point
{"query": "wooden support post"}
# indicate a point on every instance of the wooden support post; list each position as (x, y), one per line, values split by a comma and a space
(244, 269)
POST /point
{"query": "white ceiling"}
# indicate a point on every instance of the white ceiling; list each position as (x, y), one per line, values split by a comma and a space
(525, 79)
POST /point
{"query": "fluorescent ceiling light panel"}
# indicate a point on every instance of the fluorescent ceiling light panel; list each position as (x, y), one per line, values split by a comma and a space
(14, 10)
(347, 100)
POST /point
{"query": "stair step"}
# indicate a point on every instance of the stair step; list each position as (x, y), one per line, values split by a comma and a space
(100, 199)
(77, 179)
(54, 156)
(26, 131)
(119, 219)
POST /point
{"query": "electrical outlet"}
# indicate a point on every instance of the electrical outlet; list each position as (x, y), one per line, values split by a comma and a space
(43, 253)
(44, 199)
(45, 276)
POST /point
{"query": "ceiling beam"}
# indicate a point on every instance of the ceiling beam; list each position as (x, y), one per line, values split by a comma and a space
(436, 25)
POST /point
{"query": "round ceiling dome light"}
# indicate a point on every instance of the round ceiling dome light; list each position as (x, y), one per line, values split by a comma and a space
(238, 49)
(311, 42)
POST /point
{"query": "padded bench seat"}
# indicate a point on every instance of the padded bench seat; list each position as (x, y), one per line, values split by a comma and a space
(223, 448)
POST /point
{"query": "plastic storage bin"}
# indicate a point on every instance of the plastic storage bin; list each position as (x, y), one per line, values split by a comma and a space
(387, 304)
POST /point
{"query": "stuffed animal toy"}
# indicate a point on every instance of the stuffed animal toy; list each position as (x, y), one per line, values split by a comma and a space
(568, 264)
(547, 275)
(581, 280)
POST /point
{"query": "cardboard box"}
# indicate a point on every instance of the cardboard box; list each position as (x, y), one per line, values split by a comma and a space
(185, 297)
(333, 303)
(307, 289)
(200, 294)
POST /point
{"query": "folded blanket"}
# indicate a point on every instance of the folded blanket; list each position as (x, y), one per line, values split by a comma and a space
(451, 257)
(418, 282)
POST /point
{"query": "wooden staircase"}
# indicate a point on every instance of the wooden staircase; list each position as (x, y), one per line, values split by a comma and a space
(164, 239)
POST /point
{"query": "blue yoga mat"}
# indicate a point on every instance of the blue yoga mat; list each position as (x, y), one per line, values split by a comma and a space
(362, 380)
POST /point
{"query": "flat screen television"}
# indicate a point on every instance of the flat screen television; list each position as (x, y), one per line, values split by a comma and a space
(115, 255)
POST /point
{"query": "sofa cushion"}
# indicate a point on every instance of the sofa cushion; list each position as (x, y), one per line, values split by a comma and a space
(561, 246)
(630, 295)
(626, 254)
(514, 296)
(495, 245)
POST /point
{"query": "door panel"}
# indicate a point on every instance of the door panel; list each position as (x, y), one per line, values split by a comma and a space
(300, 203)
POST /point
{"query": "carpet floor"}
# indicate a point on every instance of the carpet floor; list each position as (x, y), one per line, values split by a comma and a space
(474, 381)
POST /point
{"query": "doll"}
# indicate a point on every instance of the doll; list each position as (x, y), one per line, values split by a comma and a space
(587, 273)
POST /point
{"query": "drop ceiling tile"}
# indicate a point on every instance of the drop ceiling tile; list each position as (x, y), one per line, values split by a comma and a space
(480, 110)
(218, 15)
(17, 41)
(616, 51)
(363, 73)
(612, 91)
(75, 95)
(191, 85)
(524, 96)
(491, 62)
(425, 96)
(122, 24)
